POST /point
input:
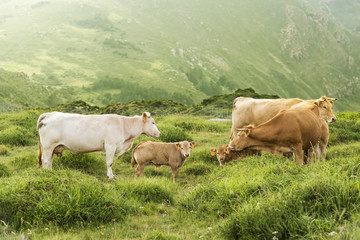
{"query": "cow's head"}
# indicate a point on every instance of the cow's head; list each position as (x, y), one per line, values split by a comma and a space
(149, 127)
(221, 153)
(184, 147)
(239, 141)
(325, 106)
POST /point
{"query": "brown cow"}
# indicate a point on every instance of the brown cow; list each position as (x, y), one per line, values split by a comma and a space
(158, 153)
(224, 154)
(294, 130)
(250, 111)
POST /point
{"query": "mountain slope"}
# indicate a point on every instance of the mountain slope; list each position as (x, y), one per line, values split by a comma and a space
(109, 51)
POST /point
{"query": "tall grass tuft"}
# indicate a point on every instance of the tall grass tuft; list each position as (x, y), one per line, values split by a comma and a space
(146, 191)
(62, 198)
(4, 171)
(86, 163)
(173, 134)
(4, 150)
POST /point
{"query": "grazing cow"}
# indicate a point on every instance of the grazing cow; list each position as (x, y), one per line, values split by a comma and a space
(249, 111)
(294, 130)
(78, 133)
(159, 153)
(224, 154)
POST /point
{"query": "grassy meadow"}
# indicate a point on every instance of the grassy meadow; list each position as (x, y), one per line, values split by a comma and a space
(267, 197)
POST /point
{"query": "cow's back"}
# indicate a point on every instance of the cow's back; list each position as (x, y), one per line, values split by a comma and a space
(250, 111)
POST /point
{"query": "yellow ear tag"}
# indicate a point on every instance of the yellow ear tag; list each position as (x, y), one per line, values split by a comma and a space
(227, 152)
(192, 146)
(212, 153)
(178, 148)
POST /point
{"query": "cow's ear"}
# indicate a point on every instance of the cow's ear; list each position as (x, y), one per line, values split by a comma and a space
(213, 151)
(144, 116)
(192, 144)
(177, 146)
(247, 131)
(317, 102)
(227, 150)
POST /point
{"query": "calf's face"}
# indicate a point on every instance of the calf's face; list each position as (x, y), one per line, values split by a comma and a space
(149, 127)
(221, 153)
(185, 147)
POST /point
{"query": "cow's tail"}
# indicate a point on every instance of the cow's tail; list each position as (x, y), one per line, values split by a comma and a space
(132, 155)
(39, 125)
(39, 154)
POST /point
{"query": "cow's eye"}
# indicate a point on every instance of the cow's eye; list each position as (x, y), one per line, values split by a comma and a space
(324, 107)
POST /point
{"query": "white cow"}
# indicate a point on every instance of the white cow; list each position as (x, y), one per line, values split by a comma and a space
(78, 133)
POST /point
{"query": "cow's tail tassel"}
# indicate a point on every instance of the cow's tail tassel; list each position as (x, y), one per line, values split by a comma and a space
(39, 154)
(132, 158)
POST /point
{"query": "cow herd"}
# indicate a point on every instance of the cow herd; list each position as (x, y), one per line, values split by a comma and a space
(279, 126)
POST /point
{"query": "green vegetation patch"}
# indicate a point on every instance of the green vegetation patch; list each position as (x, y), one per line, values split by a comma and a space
(4, 171)
(301, 210)
(145, 190)
(345, 129)
(4, 150)
(86, 163)
(63, 198)
(170, 133)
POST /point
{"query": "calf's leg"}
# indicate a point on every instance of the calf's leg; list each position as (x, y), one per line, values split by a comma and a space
(175, 172)
(140, 169)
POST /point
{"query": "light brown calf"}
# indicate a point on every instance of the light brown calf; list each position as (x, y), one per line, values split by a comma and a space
(158, 153)
(224, 154)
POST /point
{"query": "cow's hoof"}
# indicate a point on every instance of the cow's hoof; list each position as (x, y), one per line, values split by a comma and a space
(112, 177)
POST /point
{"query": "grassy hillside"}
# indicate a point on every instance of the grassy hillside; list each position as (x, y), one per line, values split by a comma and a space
(110, 51)
(263, 197)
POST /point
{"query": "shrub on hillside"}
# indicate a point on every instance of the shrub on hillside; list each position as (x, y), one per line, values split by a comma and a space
(16, 136)
(198, 125)
(173, 134)
(63, 198)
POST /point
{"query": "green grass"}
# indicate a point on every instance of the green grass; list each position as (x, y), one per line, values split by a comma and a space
(252, 198)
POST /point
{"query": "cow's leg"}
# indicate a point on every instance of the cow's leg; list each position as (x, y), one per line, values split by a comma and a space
(47, 157)
(110, 152)
(322, 150)
(175, 171)
(309, 155)
(317, 152)
(299, 155)
(139, 170)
